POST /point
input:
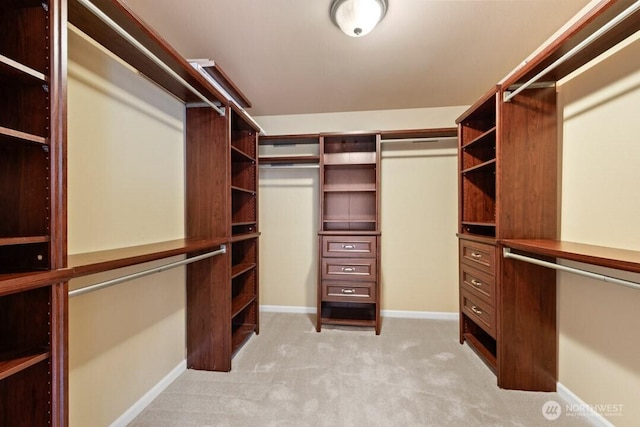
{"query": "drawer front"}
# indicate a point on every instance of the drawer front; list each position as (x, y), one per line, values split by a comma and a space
(478, 255)
(349, 269)
(480, 312)
(349, 246)
(477, 282)
(349, 291)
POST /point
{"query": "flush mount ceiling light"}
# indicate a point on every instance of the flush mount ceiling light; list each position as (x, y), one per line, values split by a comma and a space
(357, 18)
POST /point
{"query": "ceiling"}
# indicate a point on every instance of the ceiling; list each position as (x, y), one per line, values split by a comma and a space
(288, 58)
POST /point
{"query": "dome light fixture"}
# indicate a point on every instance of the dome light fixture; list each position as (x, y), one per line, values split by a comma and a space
(356, 18)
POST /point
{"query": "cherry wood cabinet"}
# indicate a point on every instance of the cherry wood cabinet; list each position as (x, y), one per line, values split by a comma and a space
(349, 236)
(32, 213)
(509, 195)
(34, 268)
(508, 155)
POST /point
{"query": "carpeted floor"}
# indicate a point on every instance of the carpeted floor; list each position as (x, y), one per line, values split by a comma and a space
(414, 374)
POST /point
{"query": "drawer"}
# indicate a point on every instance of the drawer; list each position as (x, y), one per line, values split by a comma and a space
(478, 255)
(480, 312)
(349, 269)
(477, 282)
(349, 291)
(349, 246)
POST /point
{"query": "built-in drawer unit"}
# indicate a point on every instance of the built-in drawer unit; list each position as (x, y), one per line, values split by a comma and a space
(349, 291)
(349, 246)
(349, 269)
(478, 255)
(477, 282)
(480, 312)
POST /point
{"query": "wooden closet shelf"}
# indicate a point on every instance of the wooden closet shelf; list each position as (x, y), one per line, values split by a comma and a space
(289, 159)
(23, 240)
(96, 262)
(241, 302)
(243, 190)
(240, 335)
(118, 12)
(239, 155)
(241, 237)
(14, 69)
(597, 17)
(621, 259)
(14, 362)
(419, 133)
(18, 282)
(349, 232)
(238, 269)
(486, 134)
(488, 166)
(16, 134)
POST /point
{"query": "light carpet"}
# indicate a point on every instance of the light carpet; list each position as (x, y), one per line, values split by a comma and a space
(415, 373)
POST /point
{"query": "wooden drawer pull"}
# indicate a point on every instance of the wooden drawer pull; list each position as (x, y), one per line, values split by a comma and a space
(476, 255)
(475, 282)
(348, 246)
(348, 291)
(348, 269)
(476, 310)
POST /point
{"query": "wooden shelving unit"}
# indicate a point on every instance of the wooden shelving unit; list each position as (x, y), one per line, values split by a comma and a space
(508, 156)
(32, 229)
(349, 236)
(244, 230)
(33, 253)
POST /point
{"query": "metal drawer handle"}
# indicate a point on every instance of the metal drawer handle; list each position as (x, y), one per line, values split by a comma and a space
(475, 282)
(348, 246)
(476, 310)
(348, 291)
(476, 255)
(348, 269)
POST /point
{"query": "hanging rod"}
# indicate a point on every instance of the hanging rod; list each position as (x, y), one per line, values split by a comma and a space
(146, 52)
(412, 140)
(288, 166)
(506, 253)
(586, 42)
(107, 283)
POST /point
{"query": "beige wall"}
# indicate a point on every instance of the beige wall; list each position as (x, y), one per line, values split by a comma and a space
(598, 321)
(126, 187)
(418, 214)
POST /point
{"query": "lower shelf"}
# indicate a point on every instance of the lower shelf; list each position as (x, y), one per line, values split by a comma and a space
(240, 335)
(348, 314)
(480, 342)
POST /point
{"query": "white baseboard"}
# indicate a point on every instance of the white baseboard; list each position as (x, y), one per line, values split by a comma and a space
(148, 397)
(433, 315)
(430, 315)
(287, 309)
(585, 411)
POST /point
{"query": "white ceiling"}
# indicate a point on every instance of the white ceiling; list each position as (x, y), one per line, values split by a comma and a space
(288, 58)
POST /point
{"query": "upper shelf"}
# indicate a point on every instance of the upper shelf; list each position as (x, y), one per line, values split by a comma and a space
(97, 29)
(620, 259)
(590, 23)
(96, 262)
